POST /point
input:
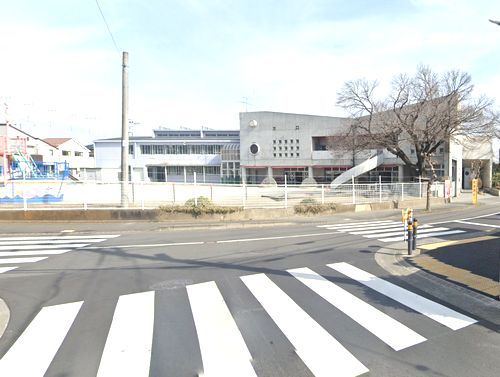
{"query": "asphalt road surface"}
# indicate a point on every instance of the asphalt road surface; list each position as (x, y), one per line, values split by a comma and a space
(302, 298)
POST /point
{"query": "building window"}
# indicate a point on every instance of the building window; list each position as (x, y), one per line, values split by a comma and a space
(286, 154)
(274, 148)
(297, 154)
(280, 148)
(212, 170)
(291, 154)
(297, 127)
(279, 141)
(291, 141)
(131, 149)
(66, 153)
(79, 154)
(274, 141)
(286, 148)
(297, 141)
(412, 151)
(297, 147)
(274, 128)
(286, 141)
(274, 154)
(441, 150)
(291, 148)
(280, 154)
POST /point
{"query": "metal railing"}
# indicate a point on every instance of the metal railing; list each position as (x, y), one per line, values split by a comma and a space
(67, 194)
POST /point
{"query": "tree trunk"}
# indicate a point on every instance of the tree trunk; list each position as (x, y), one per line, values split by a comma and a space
(428, 198)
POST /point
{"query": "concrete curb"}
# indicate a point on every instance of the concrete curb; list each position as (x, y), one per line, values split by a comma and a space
(4, 316)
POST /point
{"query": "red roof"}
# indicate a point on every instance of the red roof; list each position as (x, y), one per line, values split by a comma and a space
(56, 141)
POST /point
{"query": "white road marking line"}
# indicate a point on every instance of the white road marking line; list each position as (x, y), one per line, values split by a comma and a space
(393, 333)
(67, 231)
(425, 235)
(223, 350)
(400, 232)
(34, 350)
(468, 218)
(277, 237)
(439, 313)
(146, 245)
(55, 242)
(39, 247)
(363, 227)
(5, 269)
(354, 224)
(32, 252)
(41, 238)
(127, 351)
(21, 260)
(399, 227)
(320, 351)
(472, 223)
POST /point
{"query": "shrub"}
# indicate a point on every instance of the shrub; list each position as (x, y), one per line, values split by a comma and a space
(205, 206)
(313, 208)
(308, 201)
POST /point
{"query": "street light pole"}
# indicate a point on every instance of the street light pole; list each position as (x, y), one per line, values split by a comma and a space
(124, 146)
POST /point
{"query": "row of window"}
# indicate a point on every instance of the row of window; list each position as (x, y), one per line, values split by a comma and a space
(292, 154)
(178, 149)
(285, 141)
(286, 148)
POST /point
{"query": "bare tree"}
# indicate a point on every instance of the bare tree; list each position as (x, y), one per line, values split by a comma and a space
(421, 113)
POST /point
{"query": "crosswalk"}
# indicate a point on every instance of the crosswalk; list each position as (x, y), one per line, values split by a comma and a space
(16, 251)
(388, 231)
(224, 351)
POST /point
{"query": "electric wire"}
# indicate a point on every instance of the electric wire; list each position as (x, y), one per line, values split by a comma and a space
(107, 26)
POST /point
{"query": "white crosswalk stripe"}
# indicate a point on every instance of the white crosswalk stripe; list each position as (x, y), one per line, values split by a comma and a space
(37, 248)
(127, 348)
(393, 333)
(33, 352)
(223, 349)
(431, 309)
(387, 230)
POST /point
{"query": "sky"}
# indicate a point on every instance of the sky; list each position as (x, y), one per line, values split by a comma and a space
(198, 63)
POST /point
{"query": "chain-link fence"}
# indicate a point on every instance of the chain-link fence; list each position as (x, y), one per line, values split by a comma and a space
(68, 194)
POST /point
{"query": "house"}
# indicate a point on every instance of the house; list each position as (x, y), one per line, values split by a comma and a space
(26, 156)
(76, 155)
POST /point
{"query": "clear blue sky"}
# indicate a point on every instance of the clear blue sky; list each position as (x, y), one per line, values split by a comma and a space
(193, 61)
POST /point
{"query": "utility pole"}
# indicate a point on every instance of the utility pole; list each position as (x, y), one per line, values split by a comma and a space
(124, 149)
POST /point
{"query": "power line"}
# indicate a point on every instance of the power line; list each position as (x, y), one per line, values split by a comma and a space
(107, 26)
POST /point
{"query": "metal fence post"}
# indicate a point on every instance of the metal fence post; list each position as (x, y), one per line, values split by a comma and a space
(353, 191)
(194, 189)
(286, 193)
(244, 187)
(173, 191)
(142, 195)
(322, 194)
(380, 189)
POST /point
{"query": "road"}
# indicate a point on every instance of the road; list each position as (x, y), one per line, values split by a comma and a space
(298, 298)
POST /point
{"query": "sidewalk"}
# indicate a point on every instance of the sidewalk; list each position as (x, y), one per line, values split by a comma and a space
(471, 265)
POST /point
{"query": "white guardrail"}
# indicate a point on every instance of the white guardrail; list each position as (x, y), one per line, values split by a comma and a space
(69, 194)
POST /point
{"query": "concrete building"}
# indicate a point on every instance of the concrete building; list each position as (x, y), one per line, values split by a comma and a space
(173, 156)
(275, 145)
